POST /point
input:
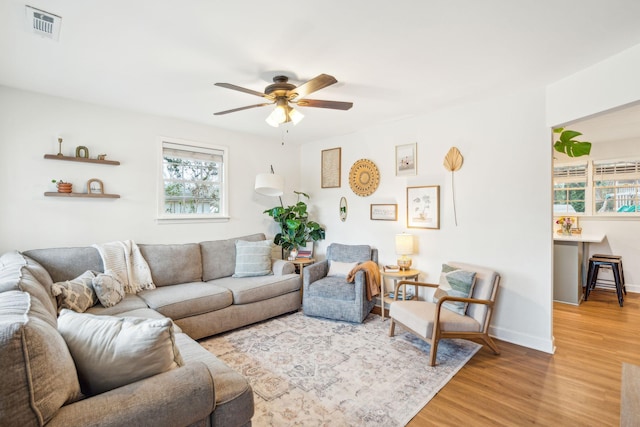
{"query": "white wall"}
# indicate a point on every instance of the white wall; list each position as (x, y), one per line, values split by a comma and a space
(29, 125)
(502, 193)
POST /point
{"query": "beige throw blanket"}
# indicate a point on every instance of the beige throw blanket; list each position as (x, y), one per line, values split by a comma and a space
(372, 277)
(124, 260)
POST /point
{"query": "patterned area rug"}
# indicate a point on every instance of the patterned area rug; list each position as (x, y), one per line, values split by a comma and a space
(315, 372)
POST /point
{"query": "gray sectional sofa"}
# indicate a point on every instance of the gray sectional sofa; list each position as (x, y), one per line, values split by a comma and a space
(194, 288)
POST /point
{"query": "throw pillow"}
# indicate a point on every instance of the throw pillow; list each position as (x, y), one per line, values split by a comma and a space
(77, 294)
(457, 283)
(340, 269)
(108, 288)
(110, 352)
(253, 258)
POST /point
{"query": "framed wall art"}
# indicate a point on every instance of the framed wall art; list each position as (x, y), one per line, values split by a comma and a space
(330, 170)
(384, 212)
(423, 207)
(406, 159)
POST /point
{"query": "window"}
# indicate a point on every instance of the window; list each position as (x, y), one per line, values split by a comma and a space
(569, 189)
(616, 187)
(193, 180)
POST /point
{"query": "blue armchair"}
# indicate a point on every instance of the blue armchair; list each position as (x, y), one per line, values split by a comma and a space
(333, 297)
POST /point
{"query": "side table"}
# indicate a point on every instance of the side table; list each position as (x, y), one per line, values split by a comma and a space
(395, 276)
(300, 263)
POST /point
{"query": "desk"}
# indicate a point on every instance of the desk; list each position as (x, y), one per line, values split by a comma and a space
(395, 276)
(570, 258)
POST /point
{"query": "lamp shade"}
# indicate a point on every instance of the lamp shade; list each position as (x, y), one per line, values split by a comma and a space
(404, 244)
(269, 184)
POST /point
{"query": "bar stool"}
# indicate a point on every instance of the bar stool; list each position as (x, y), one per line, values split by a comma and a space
(612, 262)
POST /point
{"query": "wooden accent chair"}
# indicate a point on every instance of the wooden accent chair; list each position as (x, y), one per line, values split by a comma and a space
(433, 322)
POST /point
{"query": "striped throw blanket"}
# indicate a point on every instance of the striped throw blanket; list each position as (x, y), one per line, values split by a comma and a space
(124, 260)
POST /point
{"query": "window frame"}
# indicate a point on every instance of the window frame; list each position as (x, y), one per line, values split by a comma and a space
(223, 214)
(613, 164)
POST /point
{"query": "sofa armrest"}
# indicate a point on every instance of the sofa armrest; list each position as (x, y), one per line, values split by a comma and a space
(181, 396)
(282, 266)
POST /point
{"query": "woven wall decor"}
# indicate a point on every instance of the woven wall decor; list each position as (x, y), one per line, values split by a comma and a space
(364, 177)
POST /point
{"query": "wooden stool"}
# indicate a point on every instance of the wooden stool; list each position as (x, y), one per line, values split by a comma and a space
(613, 262)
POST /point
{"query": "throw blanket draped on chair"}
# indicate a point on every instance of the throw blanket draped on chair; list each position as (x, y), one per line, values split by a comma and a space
(124, 260)
(372, 277)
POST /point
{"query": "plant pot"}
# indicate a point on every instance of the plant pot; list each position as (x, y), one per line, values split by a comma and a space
(64, 187)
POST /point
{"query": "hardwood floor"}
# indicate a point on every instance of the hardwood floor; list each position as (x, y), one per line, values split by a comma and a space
(579, 385)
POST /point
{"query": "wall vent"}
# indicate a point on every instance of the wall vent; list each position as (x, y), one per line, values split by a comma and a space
(43, 23)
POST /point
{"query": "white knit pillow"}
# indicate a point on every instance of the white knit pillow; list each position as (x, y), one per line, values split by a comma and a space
(340, 269)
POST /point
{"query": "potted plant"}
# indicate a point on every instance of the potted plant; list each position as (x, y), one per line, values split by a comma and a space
(63, 187)
(295, 228)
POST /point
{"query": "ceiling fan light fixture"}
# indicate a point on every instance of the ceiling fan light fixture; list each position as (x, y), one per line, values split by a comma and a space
(295, 116)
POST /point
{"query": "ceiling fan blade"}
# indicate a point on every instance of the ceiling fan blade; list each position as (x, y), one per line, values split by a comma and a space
(317, 83)
(336, 105)
(241, 108)
(241, 89)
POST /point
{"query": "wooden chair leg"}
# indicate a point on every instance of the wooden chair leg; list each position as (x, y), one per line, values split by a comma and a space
(433, 352)
(491, 344)
(392, 327)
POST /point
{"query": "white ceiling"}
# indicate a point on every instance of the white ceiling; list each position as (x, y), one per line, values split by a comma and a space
(392, 59)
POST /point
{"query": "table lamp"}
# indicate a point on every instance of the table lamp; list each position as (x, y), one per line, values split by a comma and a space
(404, 247)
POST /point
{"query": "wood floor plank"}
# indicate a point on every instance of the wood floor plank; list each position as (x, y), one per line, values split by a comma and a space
(579, 385)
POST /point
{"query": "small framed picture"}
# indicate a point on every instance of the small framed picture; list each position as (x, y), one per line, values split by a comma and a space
(330, 170)
(95, 186)
(384, 212)
(406, 159)
(423, 207)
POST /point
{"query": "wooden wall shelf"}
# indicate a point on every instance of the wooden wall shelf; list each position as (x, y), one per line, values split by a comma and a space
(81, 159)
(91, 195)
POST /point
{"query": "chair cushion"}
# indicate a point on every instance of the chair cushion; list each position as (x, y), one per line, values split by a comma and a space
(187, 299)
(340, 269)
(456, 283)
(334, 288)
(483, 288)
(110, 352)
(348, 253)
(38, 373)
(419, 315)
(253, 258)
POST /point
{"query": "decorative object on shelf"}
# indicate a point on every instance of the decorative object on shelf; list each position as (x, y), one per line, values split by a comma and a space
(95, 186)
(404, 247)
(568, 145)
(343, 209)
(82, 151)
(306, 251)
(423, 207)
(364, 177)
(384, 212)
(293, 254)
(63, 187)
(453, 162)
(295, 228)
(566, 224)
(101, 156)
(59, 147)
(331, 164)
(406, 159)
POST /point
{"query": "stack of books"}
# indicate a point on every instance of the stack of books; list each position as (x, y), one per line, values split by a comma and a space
(391, 268)
(401, 296)
(304, 253)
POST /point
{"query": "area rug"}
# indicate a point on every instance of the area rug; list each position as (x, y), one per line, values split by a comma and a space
(307, 371)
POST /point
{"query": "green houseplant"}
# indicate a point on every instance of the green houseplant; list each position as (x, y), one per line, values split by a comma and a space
(295, 228)
(569, 145)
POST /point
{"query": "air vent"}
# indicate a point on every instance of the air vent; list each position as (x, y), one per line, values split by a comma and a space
(43, 23)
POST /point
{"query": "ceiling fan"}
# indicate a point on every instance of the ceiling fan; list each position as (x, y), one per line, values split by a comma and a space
(282, 94)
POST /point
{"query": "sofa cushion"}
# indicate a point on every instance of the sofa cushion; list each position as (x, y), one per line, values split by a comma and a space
(109, 290)
(38, 373)
(456, 283)
(260, 288)
(23, 274)
(173, 264)
(253, 258)
(187, 299)
(67, 263)
(110, 352)
(128, 303)
(219, 256)
(76, 294)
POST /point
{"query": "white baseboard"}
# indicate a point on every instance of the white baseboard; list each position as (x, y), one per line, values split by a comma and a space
(529, 341)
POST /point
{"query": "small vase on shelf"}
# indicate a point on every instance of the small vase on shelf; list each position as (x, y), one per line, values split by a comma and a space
(566, 229)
